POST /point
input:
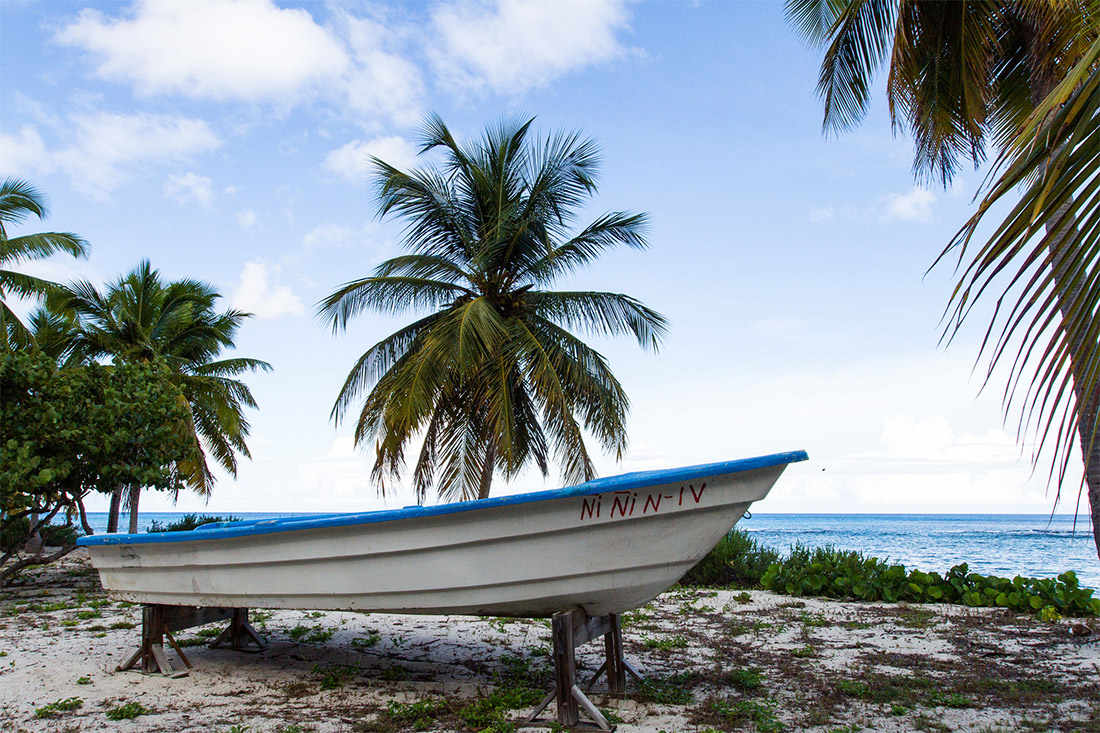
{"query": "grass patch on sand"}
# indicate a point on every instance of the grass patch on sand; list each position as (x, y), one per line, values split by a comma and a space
(59, 708)
(127, 711)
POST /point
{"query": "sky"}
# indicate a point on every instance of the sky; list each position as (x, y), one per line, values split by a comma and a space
(229, 141)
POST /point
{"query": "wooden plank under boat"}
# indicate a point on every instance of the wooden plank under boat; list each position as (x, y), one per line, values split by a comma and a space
(605, 546)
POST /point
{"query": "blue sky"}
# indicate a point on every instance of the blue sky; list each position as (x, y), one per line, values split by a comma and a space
(228, 141)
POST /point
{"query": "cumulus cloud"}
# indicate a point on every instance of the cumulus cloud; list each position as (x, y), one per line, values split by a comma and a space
(512, 45)
(246, 219)
(24, 153)
(380, 82)
(254, 51)
(352, 162)
(932, 440)
(822, 213)
(259, 292)
(189, 187)
(105, 150)
(916, 205)
(220, 49)
(336, 236)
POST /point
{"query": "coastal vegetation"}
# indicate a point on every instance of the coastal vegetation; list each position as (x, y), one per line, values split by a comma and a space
(72, 431)
(739, 561)
(748, 660)
(493, 378)
(106, 392)
(141, 318)
(1022, 76)
(190, 521)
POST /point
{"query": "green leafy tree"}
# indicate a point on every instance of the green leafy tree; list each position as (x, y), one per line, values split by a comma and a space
(964, 75)
(492, 378)
(18, 202)
(68, 432)
(140, 319)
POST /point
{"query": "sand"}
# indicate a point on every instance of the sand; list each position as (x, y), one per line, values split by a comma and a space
(712, 660)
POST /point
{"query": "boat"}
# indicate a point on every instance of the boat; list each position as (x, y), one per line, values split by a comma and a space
(603, 547)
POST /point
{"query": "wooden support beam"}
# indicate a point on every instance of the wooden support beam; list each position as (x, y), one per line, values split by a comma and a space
(239, 635)
(565, 667)
(613, 649)
(158, 621)
(570, 630)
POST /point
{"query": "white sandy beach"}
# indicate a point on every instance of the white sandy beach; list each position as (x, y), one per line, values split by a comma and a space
(712, 661)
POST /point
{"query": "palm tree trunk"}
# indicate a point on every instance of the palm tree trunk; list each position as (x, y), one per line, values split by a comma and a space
(135, 498)
(487, 470)
(113, 512)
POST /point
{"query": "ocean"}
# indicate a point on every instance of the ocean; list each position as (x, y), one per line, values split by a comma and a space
(1033, 545)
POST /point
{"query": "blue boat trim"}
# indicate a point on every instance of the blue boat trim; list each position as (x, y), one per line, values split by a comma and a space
(624, 482)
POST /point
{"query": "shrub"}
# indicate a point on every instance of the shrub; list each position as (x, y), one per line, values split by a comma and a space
(188, 522)
(13, 533)
(737, 561)
(827, 571)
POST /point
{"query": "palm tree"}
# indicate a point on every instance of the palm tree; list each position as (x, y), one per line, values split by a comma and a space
(55, 335)
(139, 319)
(492, 378)
(961, 75)
(19, 201)
(1047, 248)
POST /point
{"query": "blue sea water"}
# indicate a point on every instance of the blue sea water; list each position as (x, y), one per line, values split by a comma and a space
(1035, 545)
(1032, 545)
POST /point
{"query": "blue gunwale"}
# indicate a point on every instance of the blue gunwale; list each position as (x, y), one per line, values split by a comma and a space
(623, 482)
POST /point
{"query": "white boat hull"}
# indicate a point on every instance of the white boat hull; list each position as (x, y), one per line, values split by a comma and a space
(603, 551)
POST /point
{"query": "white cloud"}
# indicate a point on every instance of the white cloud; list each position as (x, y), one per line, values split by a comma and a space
(108, 149)
(246, 219)
(822, 213)
(931, 440)
(189, 187)
(380, 82)
(24, 153)
(335, 236)
(913, 206)
(343, 447)
(258, 292)
(254, 51)
(220, 49)
(352, 162)
(511, 45)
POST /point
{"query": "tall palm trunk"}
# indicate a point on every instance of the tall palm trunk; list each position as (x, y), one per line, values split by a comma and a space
(487, 471)
(1066, 290)
(116, 507)
(135, 498)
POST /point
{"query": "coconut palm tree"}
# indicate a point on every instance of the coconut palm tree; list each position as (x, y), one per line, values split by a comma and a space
(19, 201)
(1046, 249)
(963, 75)
(492, 378)
(55, 335)
(141, 318)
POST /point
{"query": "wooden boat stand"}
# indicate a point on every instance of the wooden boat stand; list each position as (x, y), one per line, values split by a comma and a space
(159, 621)
(571, 629)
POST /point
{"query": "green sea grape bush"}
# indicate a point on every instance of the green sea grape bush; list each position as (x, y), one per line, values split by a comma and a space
(738, 561)
(827, 571)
